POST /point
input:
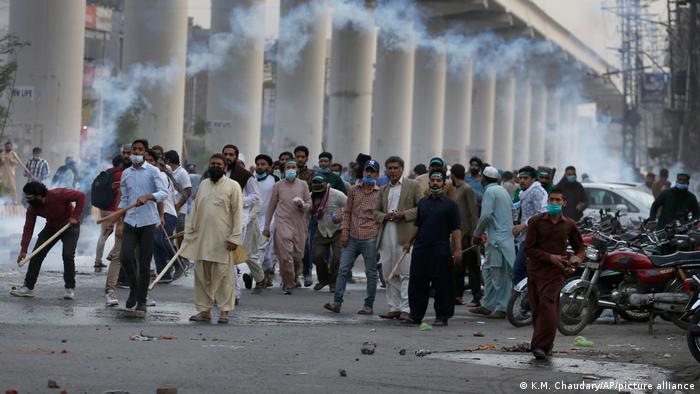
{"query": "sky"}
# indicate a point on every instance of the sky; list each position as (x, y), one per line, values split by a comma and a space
(586, 19)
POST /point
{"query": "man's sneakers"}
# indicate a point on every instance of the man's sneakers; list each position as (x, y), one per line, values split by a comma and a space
(308, 280)
(131, 301)
(539, 353)
(69, 294)
(111, 299)
(23, 291)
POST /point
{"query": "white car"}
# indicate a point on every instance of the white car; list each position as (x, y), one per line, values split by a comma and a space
(633, 203)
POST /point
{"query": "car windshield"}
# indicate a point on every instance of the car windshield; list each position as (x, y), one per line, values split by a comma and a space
(642, 198)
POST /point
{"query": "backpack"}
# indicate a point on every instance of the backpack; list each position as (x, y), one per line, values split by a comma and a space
(102, 194)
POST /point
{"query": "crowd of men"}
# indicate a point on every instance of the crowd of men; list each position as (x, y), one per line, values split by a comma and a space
(419, 235)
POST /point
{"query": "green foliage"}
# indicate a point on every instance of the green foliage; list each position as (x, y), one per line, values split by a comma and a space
(9, 47)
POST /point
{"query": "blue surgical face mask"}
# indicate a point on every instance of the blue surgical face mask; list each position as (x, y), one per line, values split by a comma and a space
(337, 173)
(554, 209)
(261, 176)
(368, 180)
(325, 170)
(571, 178)
(681, 186)
(290, 174)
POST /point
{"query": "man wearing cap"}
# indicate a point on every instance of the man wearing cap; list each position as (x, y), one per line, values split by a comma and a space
(473, 179)
(325, 160)
(266, 181)
(495, 229)
(289, 203)
(359, 237)
(395, 212)
(432, 260)
(675, 203)
(545, 176)
(436, 164)
(327, 208)
(533, 201)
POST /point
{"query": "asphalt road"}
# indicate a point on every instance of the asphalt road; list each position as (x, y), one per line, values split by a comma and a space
(291, 344)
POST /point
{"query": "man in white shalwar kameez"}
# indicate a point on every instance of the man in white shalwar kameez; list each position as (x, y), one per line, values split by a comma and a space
(212, 233)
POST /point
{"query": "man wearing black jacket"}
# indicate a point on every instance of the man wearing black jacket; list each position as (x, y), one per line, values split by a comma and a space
(574, 194)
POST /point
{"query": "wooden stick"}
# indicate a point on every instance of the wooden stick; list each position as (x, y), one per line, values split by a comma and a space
(45, 244)
(396, 266)
(115, 215)
(176, 235)
(164, 270)
(172, 247)
(24, 167)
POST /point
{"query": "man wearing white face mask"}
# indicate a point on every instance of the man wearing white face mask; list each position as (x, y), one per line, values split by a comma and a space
(289, 202)
(675, 203)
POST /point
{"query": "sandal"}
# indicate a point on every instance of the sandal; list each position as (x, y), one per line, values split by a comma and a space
(223, 318)
(201, 317)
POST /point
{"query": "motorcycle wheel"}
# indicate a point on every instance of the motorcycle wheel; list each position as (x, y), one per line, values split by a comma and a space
(694, 342)
(518, 311)
(576, 310)
(676, 286)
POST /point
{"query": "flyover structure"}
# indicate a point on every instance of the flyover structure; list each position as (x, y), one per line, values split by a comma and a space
(361, 85)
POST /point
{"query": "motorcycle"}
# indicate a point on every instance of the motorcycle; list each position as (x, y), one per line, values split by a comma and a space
(518, 309)
(641, 284)
(693, 335)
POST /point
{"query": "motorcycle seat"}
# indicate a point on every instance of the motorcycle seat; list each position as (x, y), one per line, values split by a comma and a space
(675, 259)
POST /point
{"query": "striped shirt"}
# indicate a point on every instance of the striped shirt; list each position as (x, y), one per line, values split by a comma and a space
(358, 216)
(39, 169)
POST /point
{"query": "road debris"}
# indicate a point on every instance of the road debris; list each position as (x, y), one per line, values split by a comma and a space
(581, 341)
(478, 334)
(426, 327)
(368, 348)
(402, 352)
(342, 373)
(53, 385)
(423, 352)
(146, 338)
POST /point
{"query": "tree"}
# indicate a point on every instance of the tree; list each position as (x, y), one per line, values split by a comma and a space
(9, 47)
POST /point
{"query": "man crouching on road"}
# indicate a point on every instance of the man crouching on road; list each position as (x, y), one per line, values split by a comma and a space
(212, 232)
(545, 248)
(56, 205)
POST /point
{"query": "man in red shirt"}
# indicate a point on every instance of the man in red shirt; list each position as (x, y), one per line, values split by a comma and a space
(108, 227)
(56, 206)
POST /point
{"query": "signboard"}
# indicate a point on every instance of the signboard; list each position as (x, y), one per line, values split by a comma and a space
(221, 124)
(91, 17)
(23, 92)
(654, 88)
(104, 19)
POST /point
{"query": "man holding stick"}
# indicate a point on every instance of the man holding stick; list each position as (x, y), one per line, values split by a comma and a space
(62, 223)
(212, 232)
(432, 261)
(395, 212)
(141, 188)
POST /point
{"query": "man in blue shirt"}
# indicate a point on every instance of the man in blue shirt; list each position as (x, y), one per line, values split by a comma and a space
(141, 185)
(432, 260)
(473, 179)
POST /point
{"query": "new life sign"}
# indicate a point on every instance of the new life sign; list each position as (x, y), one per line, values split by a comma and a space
(23, 92)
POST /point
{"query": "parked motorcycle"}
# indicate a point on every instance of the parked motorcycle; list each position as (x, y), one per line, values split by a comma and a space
(694, 323)
(641, 284)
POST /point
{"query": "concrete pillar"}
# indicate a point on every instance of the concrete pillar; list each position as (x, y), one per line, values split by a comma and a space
(552, 131)
(502, 145)
(155, 33)
(458, 112)
(538, 121)
(567, 131)
(483, 110)
(234, 96)
(522, 130)
(46, 111)
(350, 101)
(301, 77)
(393, 100)
(428, 105)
